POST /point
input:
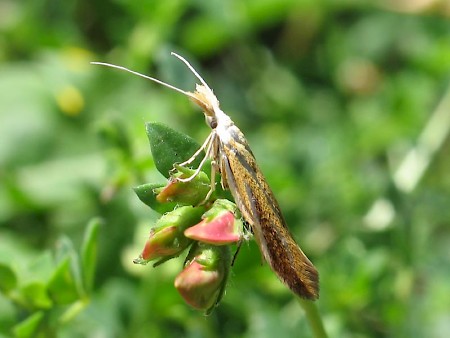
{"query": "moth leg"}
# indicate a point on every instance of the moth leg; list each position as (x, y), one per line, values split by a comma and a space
(197, 171)
(247, 233)
(208, 144)
(193, 157)
(213, 182)
(236, 252)
(223, 173)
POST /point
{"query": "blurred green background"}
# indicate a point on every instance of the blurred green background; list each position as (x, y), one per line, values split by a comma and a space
(346, 105)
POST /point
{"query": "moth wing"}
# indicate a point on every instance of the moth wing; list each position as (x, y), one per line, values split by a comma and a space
(260, 209)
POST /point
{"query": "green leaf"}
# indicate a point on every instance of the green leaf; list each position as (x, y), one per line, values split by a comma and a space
(8, 279)
(89, 253)
(35, 294)
(146, 194)
(28, 327)
(62, 286)
(65, 249)
(39, 268)
(73, 310)
(169, 146)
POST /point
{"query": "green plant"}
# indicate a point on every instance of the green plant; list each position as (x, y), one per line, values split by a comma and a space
(48, 290)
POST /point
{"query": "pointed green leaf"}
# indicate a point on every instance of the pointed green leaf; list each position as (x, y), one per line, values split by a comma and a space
(8, 279)
(146, 194)
(65, 249)
(89, 253)
(28, 327)
(35, 295)
(169, 146)
(62, 286)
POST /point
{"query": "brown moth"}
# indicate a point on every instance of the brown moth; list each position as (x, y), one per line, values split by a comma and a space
(232, 157)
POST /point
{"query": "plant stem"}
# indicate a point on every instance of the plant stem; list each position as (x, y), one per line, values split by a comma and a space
(313, 317)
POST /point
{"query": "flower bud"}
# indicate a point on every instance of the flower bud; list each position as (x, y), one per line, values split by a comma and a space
(203, 280)
(190, 193)
(167, 238)
(220, 225)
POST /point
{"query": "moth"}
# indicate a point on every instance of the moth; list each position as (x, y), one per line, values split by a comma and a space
(232, 157)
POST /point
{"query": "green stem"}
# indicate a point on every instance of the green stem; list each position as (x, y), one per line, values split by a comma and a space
(313, 317)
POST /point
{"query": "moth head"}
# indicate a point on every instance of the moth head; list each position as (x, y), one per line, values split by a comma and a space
(203, 96)
(205, 99)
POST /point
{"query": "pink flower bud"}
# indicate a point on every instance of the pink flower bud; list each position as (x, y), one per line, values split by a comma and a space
(202, 282)
(160, 243)
(219, 226)
(190, 193)
(167, 238)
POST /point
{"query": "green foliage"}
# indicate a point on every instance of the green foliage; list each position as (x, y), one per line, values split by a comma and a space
(334, 97)
(43, 303)
(170, 147)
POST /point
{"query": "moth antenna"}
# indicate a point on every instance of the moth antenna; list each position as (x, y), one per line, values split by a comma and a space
(197, 75)
(147, 77)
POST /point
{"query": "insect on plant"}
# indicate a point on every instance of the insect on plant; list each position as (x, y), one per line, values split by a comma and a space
(232, 157)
